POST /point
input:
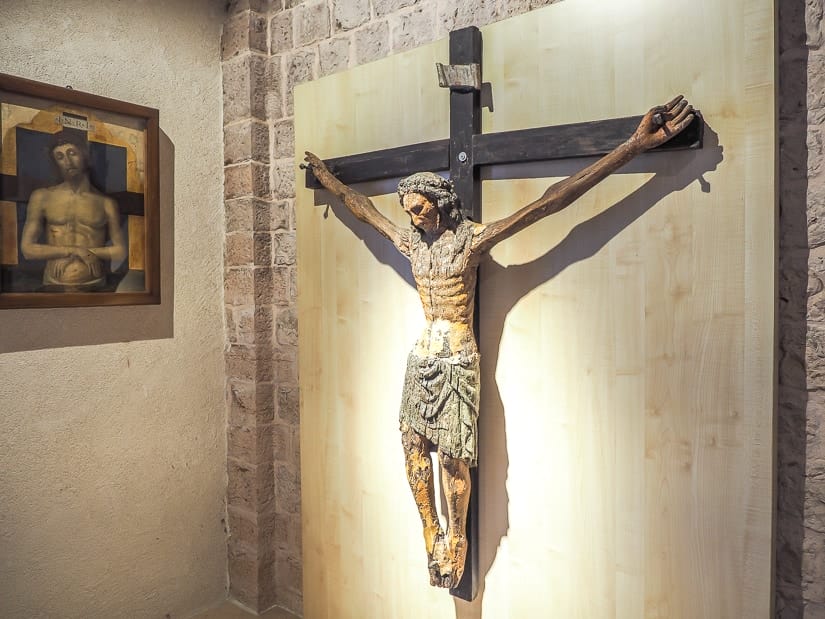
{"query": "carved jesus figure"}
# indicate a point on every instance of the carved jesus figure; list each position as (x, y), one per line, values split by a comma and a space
(439, 407)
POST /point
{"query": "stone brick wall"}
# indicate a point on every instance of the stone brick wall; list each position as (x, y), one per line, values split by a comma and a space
(269, 46)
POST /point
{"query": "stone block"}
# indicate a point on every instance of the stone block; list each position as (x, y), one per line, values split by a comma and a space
(264, 324)
(240, 396)
(238, 249)
(239, 287)
(267, 523)
(243, 32)
(283, 139)
(815, 355)
(385, 7)
(816, 82)
(242, 485)
(260, 6)
(334, 54)
(288, 578)
(282, 286)
(265, 365)
(413, 28)
(284, 248)
(265, 402)
(245, 324)
(246, 179)
(295, 444)
(243, 529)
(235, 35)
(286, 365)
(239, 214)
(274, 80)
(511, 8)
(282, 215)
(246, 141)
(281, 530)
(244, 87)
(372, 42)
(288, 403)
(311, 22)
(263, 280)
(814, 143)
(813, 24)
(262, 249)
(243, 577)
(270, 216)
(241, 445)
(230, 326)
(349, 14)
(280, 32)
(814, 291)
(462, 13)
(288, 489)
(283, 179)
(287, 327)
(241, 362)
(268, 592)
(253, 483)
(252, 444)
(289, 570)
(299, 67)
(281, 436)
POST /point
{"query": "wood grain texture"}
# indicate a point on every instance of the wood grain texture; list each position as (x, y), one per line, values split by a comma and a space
(626, 423)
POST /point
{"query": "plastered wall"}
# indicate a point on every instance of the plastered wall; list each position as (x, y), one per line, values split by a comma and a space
(112, 420)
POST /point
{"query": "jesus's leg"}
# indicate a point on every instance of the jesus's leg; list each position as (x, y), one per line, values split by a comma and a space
(455, 480)
(420, 476)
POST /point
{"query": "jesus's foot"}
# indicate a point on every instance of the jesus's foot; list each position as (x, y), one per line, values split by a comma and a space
(447, 562)
(438, 557)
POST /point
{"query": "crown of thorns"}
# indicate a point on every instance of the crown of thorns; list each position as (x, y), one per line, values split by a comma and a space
(431, 185)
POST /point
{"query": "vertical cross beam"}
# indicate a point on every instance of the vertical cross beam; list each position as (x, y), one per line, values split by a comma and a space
(465, 122)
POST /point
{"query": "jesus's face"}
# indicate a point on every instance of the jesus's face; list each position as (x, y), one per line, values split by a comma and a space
(424, 215)
(70, 160)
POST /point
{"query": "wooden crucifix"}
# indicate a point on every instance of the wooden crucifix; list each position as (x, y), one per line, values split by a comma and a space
(441, 389)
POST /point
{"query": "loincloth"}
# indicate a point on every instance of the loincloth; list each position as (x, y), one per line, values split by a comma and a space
(440, 402)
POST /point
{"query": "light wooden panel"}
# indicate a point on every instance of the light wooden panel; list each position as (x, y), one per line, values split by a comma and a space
(627, 342)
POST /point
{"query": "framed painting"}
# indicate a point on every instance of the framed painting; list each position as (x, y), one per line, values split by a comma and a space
(79, 199)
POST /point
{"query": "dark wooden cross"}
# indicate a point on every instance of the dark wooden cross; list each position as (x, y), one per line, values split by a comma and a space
(464, 153)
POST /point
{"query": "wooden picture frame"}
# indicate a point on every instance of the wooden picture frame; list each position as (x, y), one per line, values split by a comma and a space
(79, 198)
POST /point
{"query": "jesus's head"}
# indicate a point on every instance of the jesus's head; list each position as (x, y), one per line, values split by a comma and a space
(430, 201)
